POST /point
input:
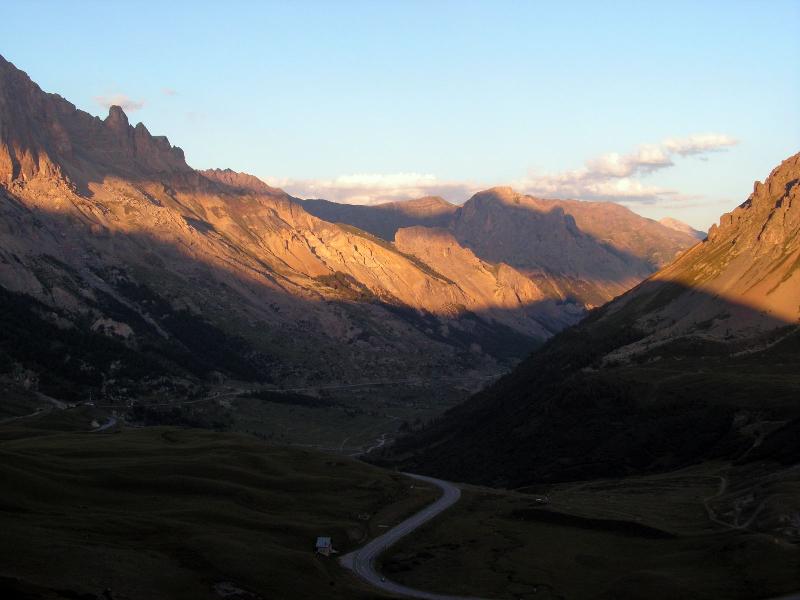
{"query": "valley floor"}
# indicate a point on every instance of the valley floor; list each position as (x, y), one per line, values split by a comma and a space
(167, 513)
(161, 512)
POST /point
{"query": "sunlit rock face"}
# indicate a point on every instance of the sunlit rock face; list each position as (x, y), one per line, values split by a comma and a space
(742, 281)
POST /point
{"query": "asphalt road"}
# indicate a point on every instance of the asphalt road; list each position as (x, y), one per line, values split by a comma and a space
(362, 561)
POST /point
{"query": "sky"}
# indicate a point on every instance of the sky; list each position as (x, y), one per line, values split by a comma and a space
(671, 108)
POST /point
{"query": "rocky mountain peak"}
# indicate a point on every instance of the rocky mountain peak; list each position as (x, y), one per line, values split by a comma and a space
(429, 206)
(43, 135)
(773, 209)
(117, 120)
(495, 195)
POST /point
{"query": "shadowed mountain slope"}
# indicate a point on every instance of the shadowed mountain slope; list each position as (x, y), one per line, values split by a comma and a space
(694, 363)
(385, 219)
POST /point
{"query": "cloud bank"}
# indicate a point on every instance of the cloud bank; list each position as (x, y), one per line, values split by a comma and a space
(618, 177)
(376, 188)
(127, 104)
(700, 144)
(613, 176)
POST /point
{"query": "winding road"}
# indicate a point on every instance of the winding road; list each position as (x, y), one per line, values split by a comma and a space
(362, 561)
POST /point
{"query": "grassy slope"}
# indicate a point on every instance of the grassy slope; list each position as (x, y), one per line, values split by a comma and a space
(643, 537)
(561, 416)
(169, 513)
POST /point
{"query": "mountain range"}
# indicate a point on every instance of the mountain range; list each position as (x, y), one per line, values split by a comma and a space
(107, 232)
(576, 251)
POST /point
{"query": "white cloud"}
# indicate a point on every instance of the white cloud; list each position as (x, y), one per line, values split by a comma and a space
(127, 104)
(375, 188)
(613, 176)
(587, 184)
(645, 160)
(700, 144)
(169, 91)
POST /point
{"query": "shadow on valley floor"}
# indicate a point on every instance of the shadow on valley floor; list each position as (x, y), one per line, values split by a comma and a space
(567, 414)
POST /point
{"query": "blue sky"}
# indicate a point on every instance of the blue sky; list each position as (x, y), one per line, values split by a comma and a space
(673, 108)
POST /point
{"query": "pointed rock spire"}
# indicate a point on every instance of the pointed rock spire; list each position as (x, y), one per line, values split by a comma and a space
(116, 119)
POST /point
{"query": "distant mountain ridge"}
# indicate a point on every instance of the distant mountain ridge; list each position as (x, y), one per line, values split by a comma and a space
(587, 252)
(683, 227)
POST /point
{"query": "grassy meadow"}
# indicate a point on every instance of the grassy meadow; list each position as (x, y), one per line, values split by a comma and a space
(180, 513)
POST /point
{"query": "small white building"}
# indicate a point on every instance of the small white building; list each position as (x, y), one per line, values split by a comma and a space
(325, 546)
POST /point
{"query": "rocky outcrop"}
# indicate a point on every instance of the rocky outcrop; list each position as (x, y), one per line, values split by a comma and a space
(44, 134)
(241, 182)
(498, 289)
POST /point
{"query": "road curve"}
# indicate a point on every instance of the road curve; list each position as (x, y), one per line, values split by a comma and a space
(362, 561)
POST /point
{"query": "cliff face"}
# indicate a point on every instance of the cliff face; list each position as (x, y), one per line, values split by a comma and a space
(590, 251)
(502, 291)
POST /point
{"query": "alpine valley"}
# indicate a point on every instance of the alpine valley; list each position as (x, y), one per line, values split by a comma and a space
(212, 389)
